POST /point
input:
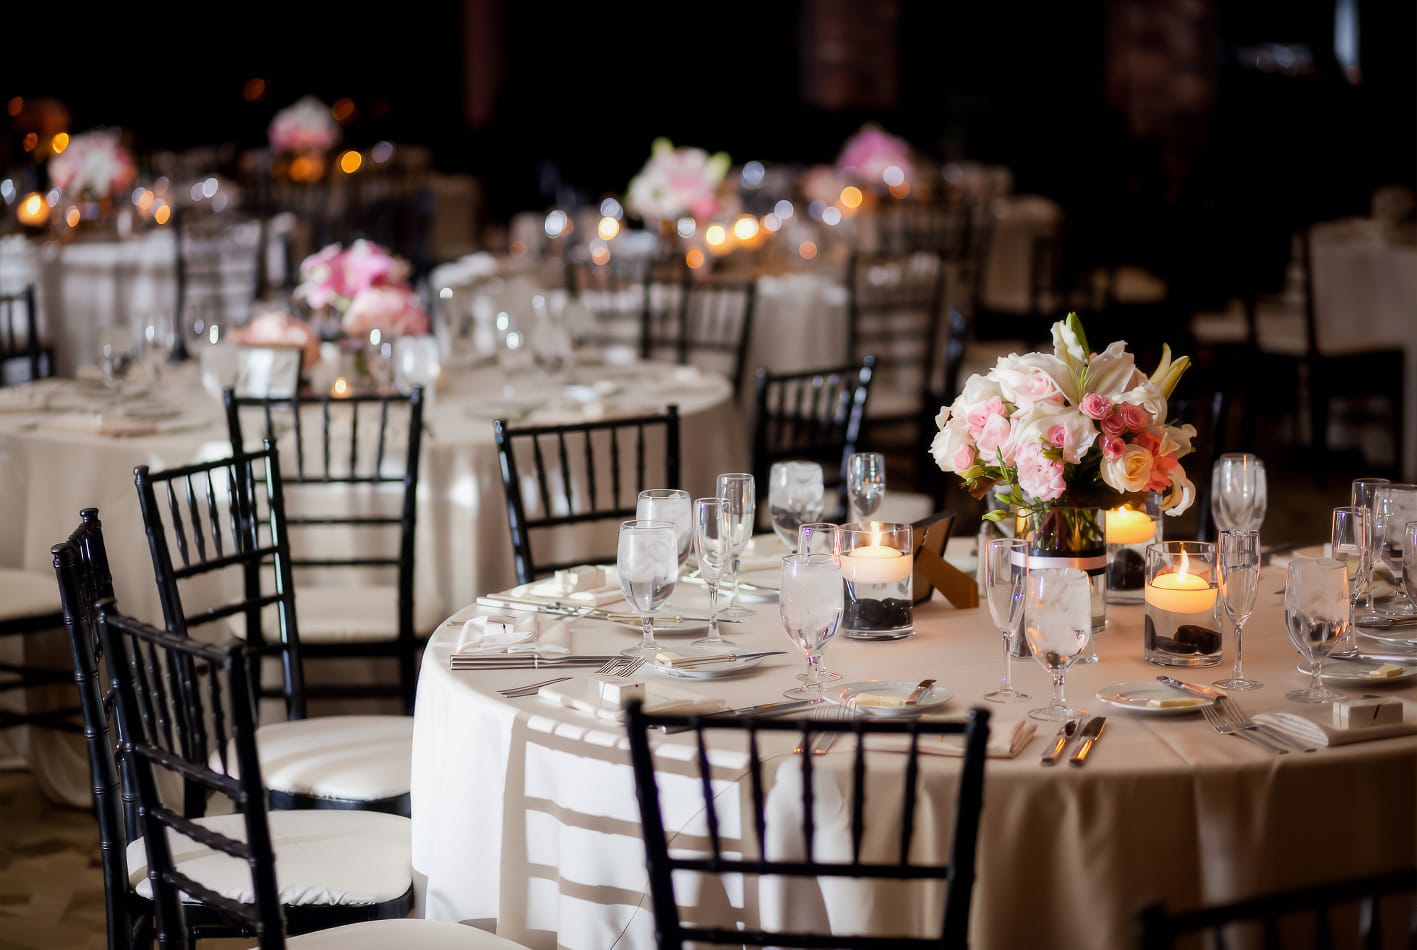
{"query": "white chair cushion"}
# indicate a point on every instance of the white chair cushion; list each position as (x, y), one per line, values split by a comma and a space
(410, 932)
(356, 758)
(27, 594)
(353, 614)
(322, 857)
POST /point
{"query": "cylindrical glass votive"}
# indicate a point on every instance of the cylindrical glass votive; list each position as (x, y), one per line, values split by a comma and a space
(1129, 530)
(876, 567)
(1182, 627)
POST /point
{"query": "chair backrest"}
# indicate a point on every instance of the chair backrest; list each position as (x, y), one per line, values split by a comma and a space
(615, 292)
(895, 306)
(702, 321)
(221, 268)
(561, 479)
(217, 535)
(878, 839)
(1335, 914)
(814, 415)
(23, 355)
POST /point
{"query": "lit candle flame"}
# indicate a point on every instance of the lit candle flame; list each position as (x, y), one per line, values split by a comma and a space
(1182, 570)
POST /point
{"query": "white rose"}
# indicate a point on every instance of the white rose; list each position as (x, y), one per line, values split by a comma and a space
(1033, 378)
(1178, 497)
(1130, 471)
(1079, 432)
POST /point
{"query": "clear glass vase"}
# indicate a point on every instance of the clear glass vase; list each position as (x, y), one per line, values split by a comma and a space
(1067, 536)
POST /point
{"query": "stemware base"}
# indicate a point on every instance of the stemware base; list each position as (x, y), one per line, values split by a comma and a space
(1238, 682)
(1057, 713)
(805, 692)
(1006, 695)
(645, 651)
(1313, 694)
(711, 642)
(735, 612)
(826, 676)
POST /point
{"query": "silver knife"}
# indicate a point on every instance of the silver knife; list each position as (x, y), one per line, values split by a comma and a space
(918, 692)
(1205, 691)
(1060, 742)
(1087, 739)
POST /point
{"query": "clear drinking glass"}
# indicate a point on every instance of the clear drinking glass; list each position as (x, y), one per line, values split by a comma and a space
(1239, 493)
(1005, 582)
(712, 547)
(819, 537)
(1349, 536)
(1394, 504)
(1316, 616)
(1057, 623)
(810, 603)
(740, 509)
(647, 561)
(672, 505)
(796, 495)
(1409, 578)
(865, 484)
(1238, 559)
(1363, 490)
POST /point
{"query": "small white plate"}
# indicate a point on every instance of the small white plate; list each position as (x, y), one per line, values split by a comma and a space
(1404, 635)
(895, 689)
(708, 671)
(1138, 697)
(1356, 671)
(683, 628)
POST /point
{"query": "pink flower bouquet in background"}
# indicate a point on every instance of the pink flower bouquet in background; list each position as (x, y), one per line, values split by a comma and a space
(1069, 429)
(868, 156)
(367, 285)
(95, 161)
(305, 125)
(275, 328)
(675, 182)
(821, 183)
(393, 311)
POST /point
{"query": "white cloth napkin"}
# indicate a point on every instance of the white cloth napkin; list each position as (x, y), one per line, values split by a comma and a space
(607, 593)
(583, 695)
(1006, 740)
(1325, 734)
(531, 632)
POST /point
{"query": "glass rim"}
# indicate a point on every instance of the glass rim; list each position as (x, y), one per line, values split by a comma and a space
(646, 524)
(814, 557)
(663, 493)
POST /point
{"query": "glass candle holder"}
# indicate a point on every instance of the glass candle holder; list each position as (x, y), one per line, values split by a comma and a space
(1129, 530)
(876, 569)
(1182, 626)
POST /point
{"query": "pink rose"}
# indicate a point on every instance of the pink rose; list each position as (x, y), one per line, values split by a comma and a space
(1096, 406)
(1112, 446)
(963, 459)
(1040, 477)
(274, 328)
(1134, 416)
(393, 311)
(1114, 424)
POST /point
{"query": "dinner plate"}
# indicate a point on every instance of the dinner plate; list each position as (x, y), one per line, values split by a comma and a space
(1139, 697)
(708, 671)
(1356, 671)
(1406, 634)
(681, 629)
(893, 689)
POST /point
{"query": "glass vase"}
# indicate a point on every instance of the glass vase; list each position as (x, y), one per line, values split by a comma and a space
(1065, 536)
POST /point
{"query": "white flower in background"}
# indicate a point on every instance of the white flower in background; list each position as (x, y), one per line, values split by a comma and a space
(94, 161)
(675, 182)
(305, 125)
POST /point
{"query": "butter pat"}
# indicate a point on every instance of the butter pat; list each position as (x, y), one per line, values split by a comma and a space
(877, 700)
(1362, 713)
(667, 657)
(1384, 671)
(617, 691)
(584, 577)
(1173, 702)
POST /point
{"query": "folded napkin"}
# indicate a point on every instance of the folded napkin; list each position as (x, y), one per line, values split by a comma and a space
(1319, 733)
(529, 632)
(1006, 740)
(583, 695)
(607, 592)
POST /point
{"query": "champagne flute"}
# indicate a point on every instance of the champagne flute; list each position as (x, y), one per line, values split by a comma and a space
(740, 506)
(1394, 504)
(1316, 616)
(1363, 490)
(1239, 493)
(648, 564)
(672, 505)
(865, 484)
(712, 547)
(1409, 578)
(796, 495)
(810, 604)
(1349, 542)
(820, 537)
(1239, 564)
(1057, 623)
(1005, 581)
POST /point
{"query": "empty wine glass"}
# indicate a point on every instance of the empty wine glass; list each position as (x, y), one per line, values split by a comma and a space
(115, 349)
(648, 564)
(740, 509)
(672, 505)
(1409, 578)
(1005, 577)
(810, 604)
(796, 494)
(865, 484)
(1363, 490)
(156, 343)
(1239, 494)
(1238, 558)
(820, 537)
(1349, 542)
(1316, 616)
(1057, 623)
(1394, 504)
(712, 547)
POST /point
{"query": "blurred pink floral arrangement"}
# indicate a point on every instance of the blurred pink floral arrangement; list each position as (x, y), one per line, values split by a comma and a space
(871, 152)
(276, 328)
(368, 285)
(305, 125)
(821, 183)
(95, 161)
(677, 181)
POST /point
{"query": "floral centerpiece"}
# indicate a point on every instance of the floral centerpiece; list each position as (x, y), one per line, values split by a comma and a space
(868, 156)
(303, 126)
(367, 286)
(675, 182)
(95, 164)
(277, 328)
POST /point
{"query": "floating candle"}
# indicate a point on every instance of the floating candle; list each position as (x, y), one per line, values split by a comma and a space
(1181, 593)
(1129, 526)
(875, 564)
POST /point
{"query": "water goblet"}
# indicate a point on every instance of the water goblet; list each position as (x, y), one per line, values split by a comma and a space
(1394, 504)
(1239, 492)
(156, 344)
(1361, 496)
(1238, 558)
(740, 509)
(647, 561)
(810, 604)
(1057, 623)
(1316, 616)
(865, 484)
(820, 537)
(796, 495)
(1005, 581)
(1409, 578)
(672, 505)
(1350, 542)
(712, 547)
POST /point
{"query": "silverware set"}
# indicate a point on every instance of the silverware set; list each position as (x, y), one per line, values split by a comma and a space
(615, 666)
(531, 661)
(820, 743)
(1227, 718)
(530, 689)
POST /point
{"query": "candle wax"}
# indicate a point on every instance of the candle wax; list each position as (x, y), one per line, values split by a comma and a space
(1181, 593)
(875, 564)
(1129, 526)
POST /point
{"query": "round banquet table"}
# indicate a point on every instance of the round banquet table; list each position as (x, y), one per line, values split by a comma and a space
(524, 812)
(57, 456)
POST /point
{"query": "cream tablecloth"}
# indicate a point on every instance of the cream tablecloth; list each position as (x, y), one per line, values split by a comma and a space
(524, 812)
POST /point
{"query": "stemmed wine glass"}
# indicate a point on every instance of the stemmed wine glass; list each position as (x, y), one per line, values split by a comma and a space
(1316, 615)
(740, 508)
(1394, 504)
(796, 495)
(819, 537)
(648, 564)
(1057, 623)
(1239, 493)
(1005, 579)
(1239, 563)
(1350, 542)
(1363, 490)
(672, 505)
(865, 484)
(1409, 578)
(711, 545)
(810, 603)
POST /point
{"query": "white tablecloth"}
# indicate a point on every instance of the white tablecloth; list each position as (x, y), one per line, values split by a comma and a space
(524, 812)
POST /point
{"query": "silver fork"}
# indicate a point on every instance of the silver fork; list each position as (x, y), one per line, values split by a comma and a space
(1225, 727)
(621, 665)
(1233, 714)
(530, 689)
(821, 742)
